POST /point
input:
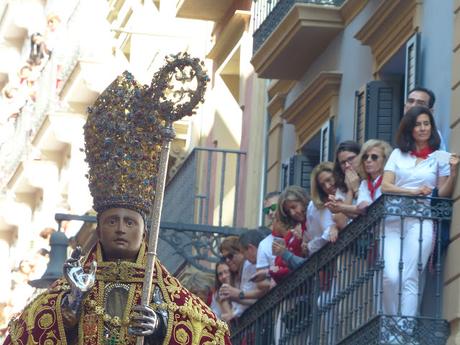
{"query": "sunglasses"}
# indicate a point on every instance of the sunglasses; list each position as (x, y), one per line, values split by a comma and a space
(229, 257)
(373, 156)
(266, 210)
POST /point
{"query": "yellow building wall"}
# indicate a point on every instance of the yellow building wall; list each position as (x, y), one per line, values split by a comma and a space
(452, 270)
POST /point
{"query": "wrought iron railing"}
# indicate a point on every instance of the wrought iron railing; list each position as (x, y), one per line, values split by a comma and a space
(340, 294)
(206, 188)
(268, 14)
(203, 195)
(196, 244)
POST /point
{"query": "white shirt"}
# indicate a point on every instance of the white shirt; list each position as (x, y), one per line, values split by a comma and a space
(364, 194)
(319, 223)
(265, 258)
(246, 285)
(410, 175)
(215, 306)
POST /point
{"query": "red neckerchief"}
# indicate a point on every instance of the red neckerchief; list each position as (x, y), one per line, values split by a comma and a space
(275, 234)
(423, 153)
(373, 187)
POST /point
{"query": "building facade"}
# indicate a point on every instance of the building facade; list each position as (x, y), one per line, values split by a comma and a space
(341, 70)
(57, 57)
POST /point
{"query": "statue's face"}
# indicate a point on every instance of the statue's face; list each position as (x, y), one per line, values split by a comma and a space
(120, 232)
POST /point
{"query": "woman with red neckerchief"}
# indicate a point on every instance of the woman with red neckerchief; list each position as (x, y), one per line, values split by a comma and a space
(373, 157)
(415, 169)
(292, 205)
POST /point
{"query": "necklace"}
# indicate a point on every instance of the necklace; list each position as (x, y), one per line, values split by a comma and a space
(111, 312)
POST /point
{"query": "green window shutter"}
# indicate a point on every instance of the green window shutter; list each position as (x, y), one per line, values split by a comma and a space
(383, 110)
(297, 172)
(412, 69)
(327, 141)
(360, 115)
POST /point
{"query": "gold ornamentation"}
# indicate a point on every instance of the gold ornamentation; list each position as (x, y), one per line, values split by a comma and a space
(46, 320)
(15, 330)
(181, 336)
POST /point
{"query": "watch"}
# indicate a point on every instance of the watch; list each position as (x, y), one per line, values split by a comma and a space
(241, 295)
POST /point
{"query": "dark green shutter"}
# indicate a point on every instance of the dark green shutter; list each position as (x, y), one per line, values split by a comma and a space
(412, 69)
(383, 110)
(297, 172)
(360, 115)
(327, 141)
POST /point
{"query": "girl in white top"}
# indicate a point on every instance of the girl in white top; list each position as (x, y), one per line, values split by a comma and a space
(374, 154)
(321, 227)
(412, 169)
(219, 306)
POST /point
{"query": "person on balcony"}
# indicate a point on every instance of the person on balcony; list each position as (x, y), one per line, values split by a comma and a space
(242, 270)
(347, 182)
(321, 228)
(292, 206)
(99, 299)
(265, 258)
(220, 306)
(414, 168)
(422, 96)
(373, 157)
(38, 51)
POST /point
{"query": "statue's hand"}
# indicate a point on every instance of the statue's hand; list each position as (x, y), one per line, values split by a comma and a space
(76, 276)
(80, 282)
(144, 321)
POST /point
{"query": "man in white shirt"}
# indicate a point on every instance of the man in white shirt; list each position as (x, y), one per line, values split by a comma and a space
(265, 258)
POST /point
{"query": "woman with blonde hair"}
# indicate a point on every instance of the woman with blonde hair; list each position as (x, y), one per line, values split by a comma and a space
(373, 157)
(321, 227)
(291, 213)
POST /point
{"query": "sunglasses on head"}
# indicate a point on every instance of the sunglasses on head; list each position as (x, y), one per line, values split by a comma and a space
(373, 156)
(267, 209)
(229, 256)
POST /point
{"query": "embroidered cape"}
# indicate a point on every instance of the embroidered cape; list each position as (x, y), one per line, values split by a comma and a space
(189, 320)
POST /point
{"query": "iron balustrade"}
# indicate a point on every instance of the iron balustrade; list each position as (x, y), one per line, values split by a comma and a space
(206, 188)
(197, 244)
(337, 295)
(268, 14)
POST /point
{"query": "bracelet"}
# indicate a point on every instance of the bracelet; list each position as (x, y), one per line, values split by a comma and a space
(241, 295)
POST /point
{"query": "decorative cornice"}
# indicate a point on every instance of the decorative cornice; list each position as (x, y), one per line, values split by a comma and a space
(351, 8)
(280, 86)
(230, 34)
(316, 103)
(317, 24)
(389, 28)
(276, 104)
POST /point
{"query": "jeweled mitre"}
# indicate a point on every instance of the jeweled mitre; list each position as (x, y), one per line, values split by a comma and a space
(123, 137)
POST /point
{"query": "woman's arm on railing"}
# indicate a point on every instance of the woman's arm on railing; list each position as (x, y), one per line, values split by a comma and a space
(292, 261)
(388, 186)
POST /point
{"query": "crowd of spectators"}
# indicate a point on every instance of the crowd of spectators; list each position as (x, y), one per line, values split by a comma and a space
(22, 90)
(342, 190)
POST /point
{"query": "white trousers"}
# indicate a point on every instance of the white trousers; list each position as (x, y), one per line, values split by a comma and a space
(411, 257)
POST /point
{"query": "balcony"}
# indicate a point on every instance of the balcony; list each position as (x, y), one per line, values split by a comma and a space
(203, 9)
(338, 297)
(293, 31)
